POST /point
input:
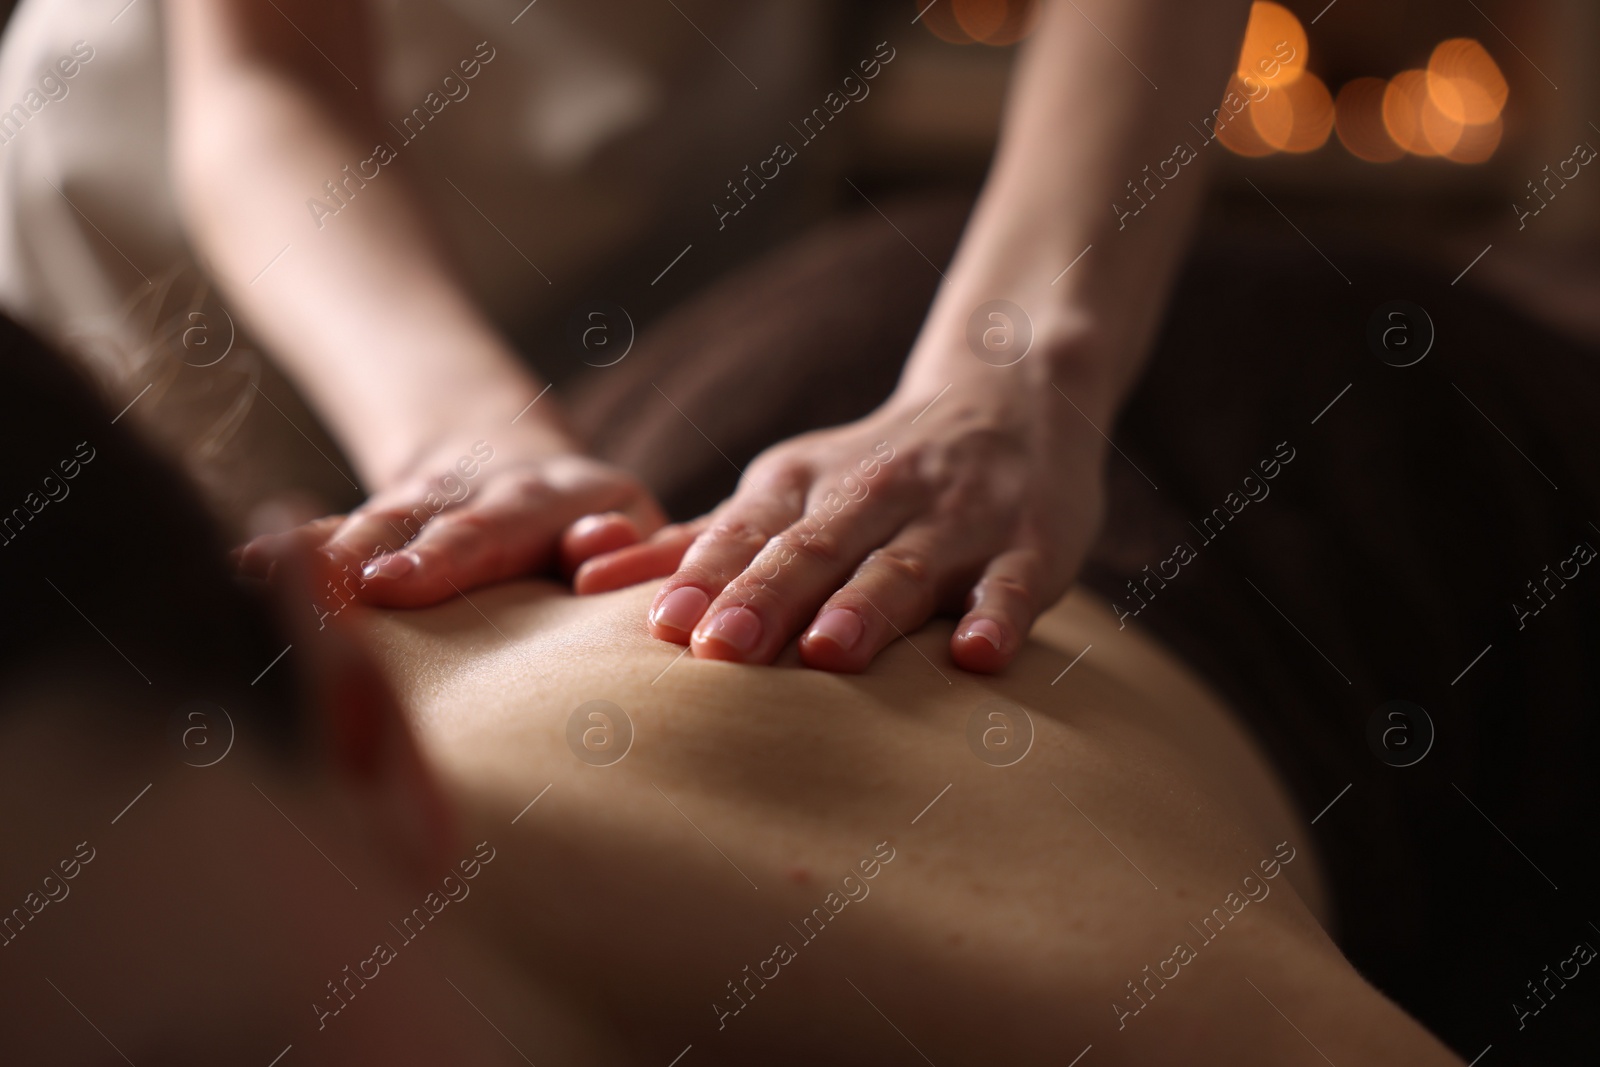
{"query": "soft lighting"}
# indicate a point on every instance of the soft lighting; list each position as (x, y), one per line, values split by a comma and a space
(1275, 47)
(1291, 110)
(979, 18)
(1465, 83)
(1358, 116)
(996, 22)
(1477, 142)
(1238, 134)
(1441, 132)
(1295, 118)
(1412, 118)
(992, 22)
(939, 19)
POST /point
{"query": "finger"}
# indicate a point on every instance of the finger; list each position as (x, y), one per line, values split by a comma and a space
(456, 551)
(593, 535)
(371, 532)
(645, 514)
(738, 530)
(1000, 612)
(505, 532)
(894, 591)
(779, 592)
(655, 558)
(257, 556)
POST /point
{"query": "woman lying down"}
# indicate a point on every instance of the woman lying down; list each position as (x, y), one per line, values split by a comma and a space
(226, 841)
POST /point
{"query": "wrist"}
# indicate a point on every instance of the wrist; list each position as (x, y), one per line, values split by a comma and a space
(533, 427)
(1014, 356)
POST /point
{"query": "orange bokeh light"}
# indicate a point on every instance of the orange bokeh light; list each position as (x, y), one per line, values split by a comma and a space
(996, 22)
(940, 20)
(993, 22)
(1477, 142)
(1260, 58)
(1465, 83)
(1440, 131)
(1358, 116)
(1238, 133)
(1412, 118)
(980, 18)
(1296, 117)
(1452, 109)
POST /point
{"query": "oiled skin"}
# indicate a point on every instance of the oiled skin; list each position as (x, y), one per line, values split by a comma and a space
(1014, 913)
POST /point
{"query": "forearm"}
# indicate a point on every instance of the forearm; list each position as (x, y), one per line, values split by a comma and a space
(1085, 128)
(363, 311)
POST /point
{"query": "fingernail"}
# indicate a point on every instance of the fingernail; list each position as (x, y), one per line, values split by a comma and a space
(987, 629)
(840, 626)
(738, 628)
(681, 609)
(393, 565)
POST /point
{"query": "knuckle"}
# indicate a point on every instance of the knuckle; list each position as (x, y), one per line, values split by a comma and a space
(819, 546)
(907, 471)
(903, 564)
(531, 493)
(416, 512)
(779, 474)
(1009, 587)
(750, 590)
(463, 524)
(379, 513)
(392, 534)
(460, 534)
(739, 533)
(769, 467)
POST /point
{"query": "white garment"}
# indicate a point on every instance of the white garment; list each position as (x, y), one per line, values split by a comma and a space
(594, 117)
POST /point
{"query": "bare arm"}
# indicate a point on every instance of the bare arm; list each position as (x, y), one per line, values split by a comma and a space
(992, 458)
(270, 100)
(365, 314)
(1104, 95)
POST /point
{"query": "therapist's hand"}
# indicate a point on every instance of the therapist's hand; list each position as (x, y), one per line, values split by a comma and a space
(466, 514)
(983, 505)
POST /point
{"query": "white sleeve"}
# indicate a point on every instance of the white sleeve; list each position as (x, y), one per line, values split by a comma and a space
(87, 220)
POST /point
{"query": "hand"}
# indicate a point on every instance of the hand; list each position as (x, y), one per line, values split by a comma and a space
(982, 506)
(467, 515)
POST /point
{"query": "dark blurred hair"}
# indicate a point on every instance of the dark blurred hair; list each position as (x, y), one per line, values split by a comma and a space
(112, 572)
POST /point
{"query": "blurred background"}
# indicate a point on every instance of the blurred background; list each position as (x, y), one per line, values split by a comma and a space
(1414, 125)
(1431, 130)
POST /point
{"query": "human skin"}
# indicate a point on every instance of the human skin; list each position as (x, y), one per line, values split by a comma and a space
(369, 317)
(997, 492)
(1009, 910)
(219, 902)
(1019, 903)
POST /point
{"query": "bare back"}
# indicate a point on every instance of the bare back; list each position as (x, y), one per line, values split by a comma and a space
(780, 862)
